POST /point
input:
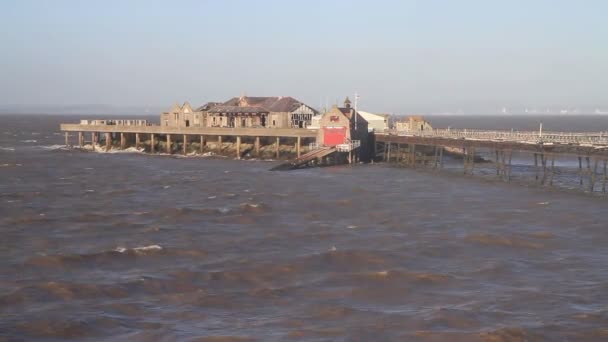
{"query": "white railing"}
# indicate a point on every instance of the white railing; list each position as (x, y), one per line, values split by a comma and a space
(591, 138)
(353, 144)
(313, 146)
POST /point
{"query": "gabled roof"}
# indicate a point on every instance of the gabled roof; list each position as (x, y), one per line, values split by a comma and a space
(237, 109)
(271, 104)
(207, 106)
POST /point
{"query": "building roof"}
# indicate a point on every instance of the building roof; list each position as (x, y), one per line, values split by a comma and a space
(237, 109)
(371, 117)
(271, 104)
(207, 106)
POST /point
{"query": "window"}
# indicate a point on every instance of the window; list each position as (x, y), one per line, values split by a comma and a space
(274, 123)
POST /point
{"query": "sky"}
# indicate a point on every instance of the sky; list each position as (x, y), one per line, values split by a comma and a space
(399, 56)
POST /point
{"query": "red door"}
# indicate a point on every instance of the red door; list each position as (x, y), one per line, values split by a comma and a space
(333, 136)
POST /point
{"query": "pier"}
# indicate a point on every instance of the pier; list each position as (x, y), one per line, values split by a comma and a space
(135, 136)
(427, 149)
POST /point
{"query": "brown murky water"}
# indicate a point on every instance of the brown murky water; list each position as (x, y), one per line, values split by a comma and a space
(133, 247)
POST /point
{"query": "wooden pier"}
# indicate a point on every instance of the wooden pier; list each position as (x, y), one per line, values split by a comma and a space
(135, 135)
(427, 149)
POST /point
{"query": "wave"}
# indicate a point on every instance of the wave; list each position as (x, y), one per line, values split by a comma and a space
(53, 147)
(10, 149)
(29, 141)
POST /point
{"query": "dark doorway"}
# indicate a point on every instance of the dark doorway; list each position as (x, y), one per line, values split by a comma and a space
(187, 123)
(231, 121)
(263, 120)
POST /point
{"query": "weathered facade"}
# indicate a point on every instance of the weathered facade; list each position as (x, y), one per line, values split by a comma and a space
(267, 112)
(413, 123)
(182, 116)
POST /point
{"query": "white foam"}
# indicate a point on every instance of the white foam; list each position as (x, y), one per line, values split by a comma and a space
(7, 148)
(29, 141)
(148, 248)
(139, 249)
(53, 147)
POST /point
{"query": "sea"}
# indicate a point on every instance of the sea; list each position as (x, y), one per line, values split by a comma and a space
(133, 247)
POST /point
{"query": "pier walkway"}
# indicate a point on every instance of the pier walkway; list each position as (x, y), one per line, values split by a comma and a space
(426, 148)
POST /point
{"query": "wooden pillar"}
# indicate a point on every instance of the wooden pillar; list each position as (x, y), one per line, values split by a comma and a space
(298, 143)
(93, 139)
(552, 169)
(436, 157)
(238, 147)
(80, 139)
(168, 147)
(67, 139)
(536, 170)
(277, 147)
(152, 142)
(108, 141)
(185, 145)
(580, 171)
(137, 140)
(543, 160)
(441, 157)
(509, 169)
(604, 178)
(384, 151)
(122, 141)
(388, 153)
(202, 147)
(593, 176)
(497, 161)
(257, 146)
(413, 155)
(219, 143)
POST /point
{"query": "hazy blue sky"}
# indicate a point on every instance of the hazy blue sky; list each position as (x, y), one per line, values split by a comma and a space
(399, 55)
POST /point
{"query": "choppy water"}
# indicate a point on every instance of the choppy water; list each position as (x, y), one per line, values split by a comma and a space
(132, 247)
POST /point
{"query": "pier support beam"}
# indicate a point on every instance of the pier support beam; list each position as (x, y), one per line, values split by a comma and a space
(388, 152)
(122, 141)
(298, 143)
(185, 145)
(552, 169)
(238, 147)
(80, 139)
(93, 139)
(604, 177)
(67, 139)
(168, 147)
(257, 146)
(413, 155)
(536, 171)
(277, 147)
(108, 141)
(219, 143)
(202, 147)
(137, 140)
(152, 143)
(580, 171)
